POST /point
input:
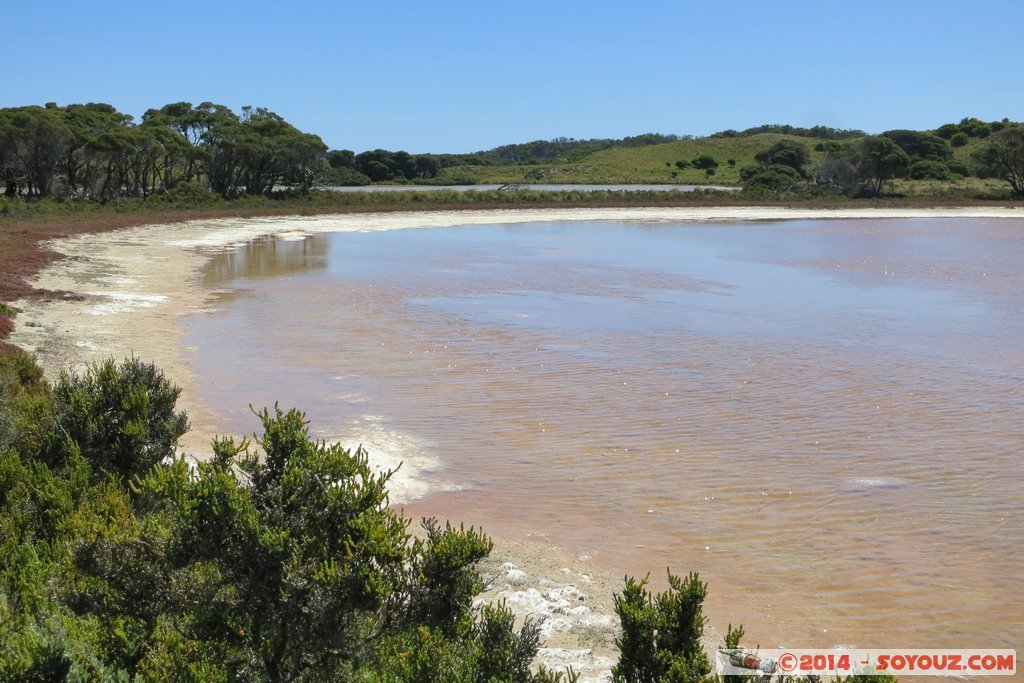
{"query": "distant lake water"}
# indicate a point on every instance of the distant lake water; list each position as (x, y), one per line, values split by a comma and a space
(824, 418)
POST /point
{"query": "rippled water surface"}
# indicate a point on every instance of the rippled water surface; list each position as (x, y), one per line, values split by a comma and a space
(824, 418)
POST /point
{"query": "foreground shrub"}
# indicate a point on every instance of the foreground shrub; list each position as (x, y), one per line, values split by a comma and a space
(661, 633)
(274, 561)
(121, 417)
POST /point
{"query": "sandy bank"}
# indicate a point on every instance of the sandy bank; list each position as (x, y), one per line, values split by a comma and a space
(139, 282)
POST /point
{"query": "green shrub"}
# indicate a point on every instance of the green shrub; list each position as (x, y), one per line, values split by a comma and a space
(958, 167)
(784, 153)
(661, 633)
(18, 371)
(704, 161)
(120, 417)
(748, 172)
(347, 177)
(775, 179)
(26, 416)
(193, 194)
(929, 170)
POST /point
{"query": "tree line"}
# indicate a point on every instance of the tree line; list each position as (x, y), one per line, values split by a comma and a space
(94, 151)
(560, 150)
(863, 167)
(380, 165)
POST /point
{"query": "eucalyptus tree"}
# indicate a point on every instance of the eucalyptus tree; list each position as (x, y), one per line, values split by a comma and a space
(1003, 157)
(785, 153)
(193, 126)
(34, 141)
(879, 159)
(87, 122)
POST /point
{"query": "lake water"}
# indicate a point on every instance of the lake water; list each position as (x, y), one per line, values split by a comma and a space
(824, 418)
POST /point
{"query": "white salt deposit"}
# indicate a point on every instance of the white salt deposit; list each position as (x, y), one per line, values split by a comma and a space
(559, 610)
(122, 302)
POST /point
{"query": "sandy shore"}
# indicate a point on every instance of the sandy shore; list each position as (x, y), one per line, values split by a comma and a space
(138, 282)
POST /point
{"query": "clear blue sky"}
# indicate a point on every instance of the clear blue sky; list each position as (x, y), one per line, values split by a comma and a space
(447, 76)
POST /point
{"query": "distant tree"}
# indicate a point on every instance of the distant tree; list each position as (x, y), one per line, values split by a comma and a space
(975, 128)
(920, 145)
(347, 177)
(959, 139)
(35, 141)
(835, 173)
(927, 169)
(878, 160)
(404, 164)
(748, 172)
(682, 164)
(776, 179)
(821, 132)
(959, 168)
(1003, 157)
(81, 166)
(647, 139)
(341, 158)
(378, 165)
(427, 166)
(376, 170)
(194, 126)
(250, 153)
(786, 153)
(704, 161)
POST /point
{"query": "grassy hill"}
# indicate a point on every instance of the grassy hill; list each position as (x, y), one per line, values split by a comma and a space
(647, 164)
(656, 164)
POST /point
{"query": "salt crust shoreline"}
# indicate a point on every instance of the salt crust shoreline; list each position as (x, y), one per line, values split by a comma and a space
(137, 283)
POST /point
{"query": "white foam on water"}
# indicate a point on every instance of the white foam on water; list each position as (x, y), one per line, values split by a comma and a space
(414, 468)
(875, 483)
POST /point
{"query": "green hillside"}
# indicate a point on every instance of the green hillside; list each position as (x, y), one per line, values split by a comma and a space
(657, 164)
(648, 164)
